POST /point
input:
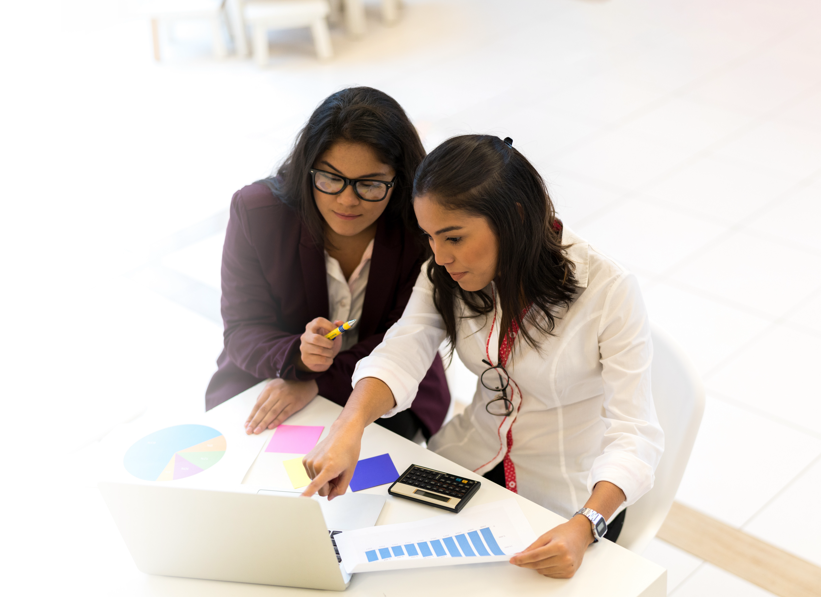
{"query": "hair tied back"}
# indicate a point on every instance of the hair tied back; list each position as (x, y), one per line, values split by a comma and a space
(508, 141)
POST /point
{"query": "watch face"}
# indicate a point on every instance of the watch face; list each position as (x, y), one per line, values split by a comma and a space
(600, 527)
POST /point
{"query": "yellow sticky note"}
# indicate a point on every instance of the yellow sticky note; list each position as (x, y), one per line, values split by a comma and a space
(297, 474)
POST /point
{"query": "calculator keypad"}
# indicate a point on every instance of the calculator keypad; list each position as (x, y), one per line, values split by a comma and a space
(441, 483)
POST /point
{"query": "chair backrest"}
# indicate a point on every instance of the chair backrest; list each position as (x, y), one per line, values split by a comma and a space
(679, 400)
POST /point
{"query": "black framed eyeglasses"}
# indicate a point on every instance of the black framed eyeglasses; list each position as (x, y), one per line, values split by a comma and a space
(365, 188)
(496, 379)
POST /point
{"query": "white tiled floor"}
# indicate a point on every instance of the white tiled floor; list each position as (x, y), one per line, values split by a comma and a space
(770, 523)
(711, 580)
(678, 564)
(741, 461)
(681, 136)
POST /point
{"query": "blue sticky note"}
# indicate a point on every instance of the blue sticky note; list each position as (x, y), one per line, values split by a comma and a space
(371, 472)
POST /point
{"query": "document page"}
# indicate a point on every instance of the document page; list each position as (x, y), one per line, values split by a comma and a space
(487, 533)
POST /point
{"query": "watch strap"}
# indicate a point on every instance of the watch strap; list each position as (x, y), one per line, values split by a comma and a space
(599, 526)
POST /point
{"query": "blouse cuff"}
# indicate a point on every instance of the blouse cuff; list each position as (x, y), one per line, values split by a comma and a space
(402, 385)
(633, 476)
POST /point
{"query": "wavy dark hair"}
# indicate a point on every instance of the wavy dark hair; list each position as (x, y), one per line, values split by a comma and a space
(357, 115)
(483, 176)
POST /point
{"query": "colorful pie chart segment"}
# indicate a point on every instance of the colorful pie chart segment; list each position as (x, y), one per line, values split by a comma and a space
(175, 453)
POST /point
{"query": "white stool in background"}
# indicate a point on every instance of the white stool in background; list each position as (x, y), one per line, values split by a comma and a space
(354, 13)
(263, 15)
(168, 11)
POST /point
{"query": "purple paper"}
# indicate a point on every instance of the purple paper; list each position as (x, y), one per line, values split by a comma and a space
(294, 439)
(371, 472)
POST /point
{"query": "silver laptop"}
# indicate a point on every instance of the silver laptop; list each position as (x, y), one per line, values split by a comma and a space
(269, 538)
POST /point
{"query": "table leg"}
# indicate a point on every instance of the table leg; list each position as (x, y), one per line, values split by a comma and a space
(155, 38)
(355, 17)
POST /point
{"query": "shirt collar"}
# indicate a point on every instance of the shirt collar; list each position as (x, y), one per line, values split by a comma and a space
(334, 270)
(577, 253)
(365, 259)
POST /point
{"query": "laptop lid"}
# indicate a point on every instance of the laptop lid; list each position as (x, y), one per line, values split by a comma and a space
(216, 535)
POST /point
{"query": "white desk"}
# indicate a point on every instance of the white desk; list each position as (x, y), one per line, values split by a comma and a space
(607, 569)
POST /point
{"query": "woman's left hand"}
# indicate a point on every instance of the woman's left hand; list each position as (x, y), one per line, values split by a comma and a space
(279, 400)
(558, 553)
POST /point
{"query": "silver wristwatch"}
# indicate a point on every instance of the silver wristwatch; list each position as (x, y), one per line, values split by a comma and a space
(599, 526)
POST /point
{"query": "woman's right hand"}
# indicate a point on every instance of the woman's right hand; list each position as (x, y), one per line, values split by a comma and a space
(316, 351)
(332, 461)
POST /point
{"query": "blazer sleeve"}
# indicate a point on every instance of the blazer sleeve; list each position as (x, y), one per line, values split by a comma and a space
(253, 338)
(336, 383)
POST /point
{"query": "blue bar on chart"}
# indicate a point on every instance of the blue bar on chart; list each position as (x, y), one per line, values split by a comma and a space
(478, 543)
(424, 549)
(491, 541)
(452, 547)
(464, 545)
(438, 548)
(410, 549)
(372, 555)
(384, 553)
(397, 550)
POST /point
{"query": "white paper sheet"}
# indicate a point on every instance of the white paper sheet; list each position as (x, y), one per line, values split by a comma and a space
(487, 533)
(228, 472)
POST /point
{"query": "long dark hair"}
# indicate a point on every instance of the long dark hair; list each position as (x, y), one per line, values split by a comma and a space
(358, 115)
(484, 176)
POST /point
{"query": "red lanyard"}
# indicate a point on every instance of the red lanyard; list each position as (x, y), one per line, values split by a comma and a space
(504, 352)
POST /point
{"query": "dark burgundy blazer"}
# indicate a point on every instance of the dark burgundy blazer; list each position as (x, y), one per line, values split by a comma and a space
(274, 283)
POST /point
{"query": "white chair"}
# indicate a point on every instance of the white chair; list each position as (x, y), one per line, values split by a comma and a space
(169, 11)
(264, 15)
(354, 12)
(679, 399)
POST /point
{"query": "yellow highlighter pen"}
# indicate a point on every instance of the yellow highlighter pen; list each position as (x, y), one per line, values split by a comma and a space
(339, 330)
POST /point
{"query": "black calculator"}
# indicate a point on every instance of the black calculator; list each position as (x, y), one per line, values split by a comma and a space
(434, 488)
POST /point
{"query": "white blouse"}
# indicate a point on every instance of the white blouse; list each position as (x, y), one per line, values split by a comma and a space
(346, 296)
(585, 409)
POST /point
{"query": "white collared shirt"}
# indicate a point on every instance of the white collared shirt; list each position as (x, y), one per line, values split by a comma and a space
(586, 412)
(346, 296)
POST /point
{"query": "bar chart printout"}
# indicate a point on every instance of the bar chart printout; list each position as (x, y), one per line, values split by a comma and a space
(487, 533)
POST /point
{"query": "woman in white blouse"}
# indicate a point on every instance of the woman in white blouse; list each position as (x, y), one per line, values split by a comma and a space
(557, 333)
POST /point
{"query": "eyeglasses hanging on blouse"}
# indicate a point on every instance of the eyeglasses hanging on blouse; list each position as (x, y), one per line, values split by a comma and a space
(496, 379)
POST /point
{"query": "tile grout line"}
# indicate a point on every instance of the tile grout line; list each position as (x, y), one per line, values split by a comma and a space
(739, 226)
(701, 565)
(815, 462)
(609, 127)
(733, 401)
(779, 321)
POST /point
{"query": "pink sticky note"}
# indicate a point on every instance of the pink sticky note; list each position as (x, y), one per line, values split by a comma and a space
(294, 439)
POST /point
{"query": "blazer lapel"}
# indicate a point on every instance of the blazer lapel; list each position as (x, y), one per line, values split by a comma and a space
(383, 273)
(313, 263)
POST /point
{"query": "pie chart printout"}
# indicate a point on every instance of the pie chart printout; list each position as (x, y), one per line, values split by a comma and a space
(175, 453)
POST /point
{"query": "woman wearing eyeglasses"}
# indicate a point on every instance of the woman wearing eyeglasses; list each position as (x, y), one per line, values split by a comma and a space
(323, 242)
(557, 334)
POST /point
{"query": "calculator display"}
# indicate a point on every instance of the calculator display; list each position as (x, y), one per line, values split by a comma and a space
(433, 496)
